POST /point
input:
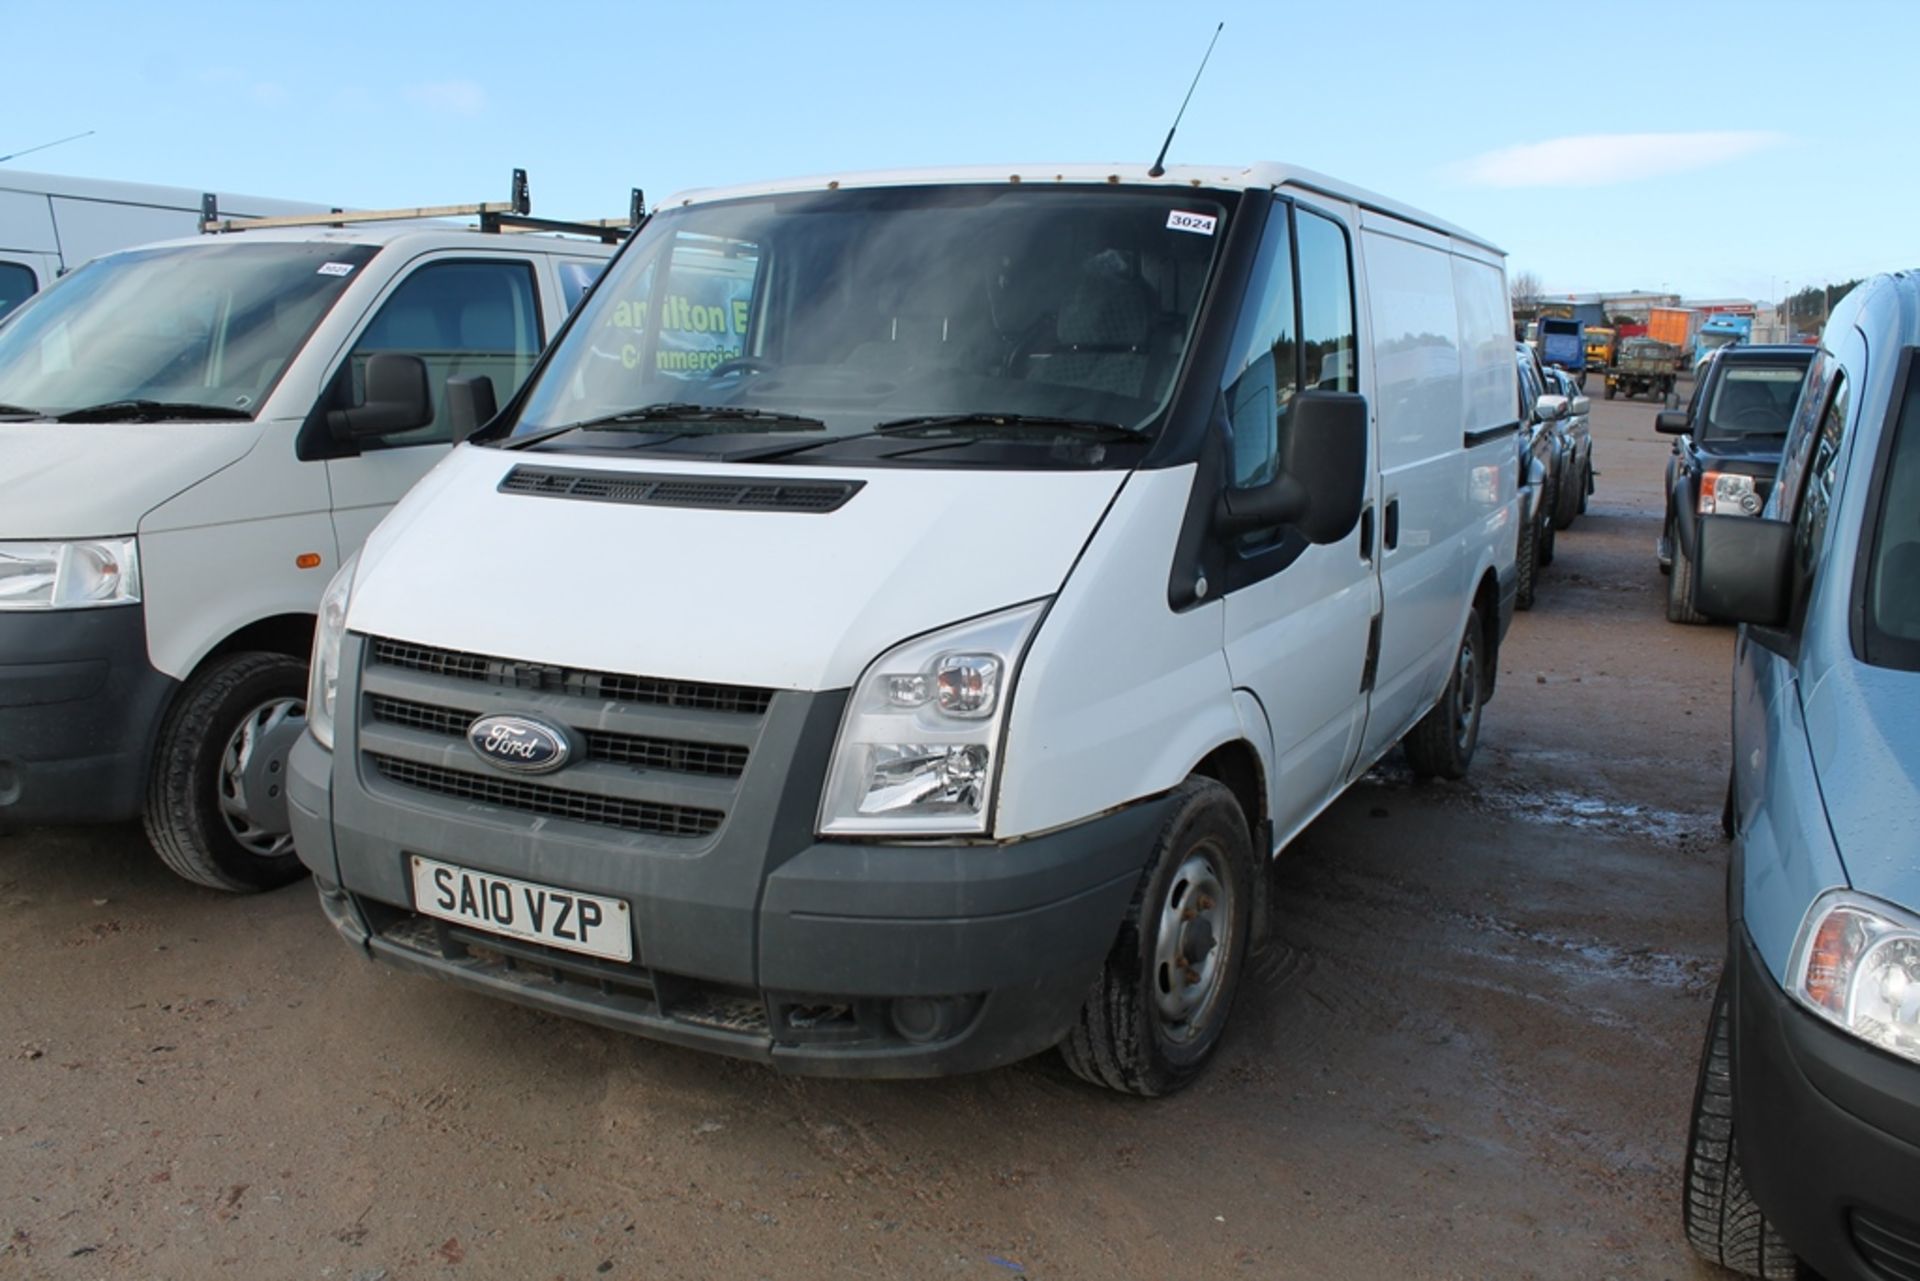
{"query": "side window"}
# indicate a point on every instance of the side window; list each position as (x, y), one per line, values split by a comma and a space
(576, 277)
(1264, 373)
(462, 319)
(16, 285)
(1326, 303)
(1816, 500)
(1801, 436)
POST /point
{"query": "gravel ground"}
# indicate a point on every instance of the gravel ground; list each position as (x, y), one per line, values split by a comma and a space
(1469, 1053)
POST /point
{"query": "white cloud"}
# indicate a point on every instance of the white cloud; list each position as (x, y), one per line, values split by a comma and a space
(449, 97)
(1605, 159)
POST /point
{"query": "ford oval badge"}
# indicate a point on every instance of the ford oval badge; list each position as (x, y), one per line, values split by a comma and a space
(520, 744)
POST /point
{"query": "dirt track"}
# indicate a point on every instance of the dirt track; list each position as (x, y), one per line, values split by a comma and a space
(1470, 1053)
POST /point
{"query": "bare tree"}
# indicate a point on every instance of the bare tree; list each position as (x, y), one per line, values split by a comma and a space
(1525, 290)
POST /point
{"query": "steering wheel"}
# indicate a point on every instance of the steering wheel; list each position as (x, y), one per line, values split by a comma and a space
(1038, 334)
(742, 365)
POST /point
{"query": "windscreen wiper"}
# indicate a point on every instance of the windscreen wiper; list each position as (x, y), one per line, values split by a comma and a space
(147, 411)
(1020, 424)
(686, 413)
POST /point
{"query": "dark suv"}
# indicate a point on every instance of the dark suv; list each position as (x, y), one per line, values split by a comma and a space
(1731, 434)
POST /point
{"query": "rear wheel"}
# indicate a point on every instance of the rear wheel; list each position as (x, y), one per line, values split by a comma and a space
(217, 800)
(1723, 1224)
(1155, 1014)
(1586, 484)
(1570, 502)
(1441, 745)
(1546, 527)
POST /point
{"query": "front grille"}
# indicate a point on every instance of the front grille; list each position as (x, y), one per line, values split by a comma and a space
(1892, 1248)
(651, 817)
(511, 673)
(634, 750)
(647, 489)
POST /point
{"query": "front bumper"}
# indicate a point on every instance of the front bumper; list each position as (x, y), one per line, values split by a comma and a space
(80, 707)
(1829, 1132)
(818, 957)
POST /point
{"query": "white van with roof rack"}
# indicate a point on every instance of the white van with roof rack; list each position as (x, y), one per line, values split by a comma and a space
(193, 435)
(894, 628)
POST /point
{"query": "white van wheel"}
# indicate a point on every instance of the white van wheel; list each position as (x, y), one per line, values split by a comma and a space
(1441, 745)
(1155, 1015)
(216, 801)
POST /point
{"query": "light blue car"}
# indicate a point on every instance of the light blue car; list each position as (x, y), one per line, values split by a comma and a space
(1805, 1142)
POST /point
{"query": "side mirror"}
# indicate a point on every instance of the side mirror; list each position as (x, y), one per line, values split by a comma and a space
(398, 399)
(1741, 569)
(1550, 408)
(1322, 480)
(1579, 405)
(1672, 422)
(470, 405)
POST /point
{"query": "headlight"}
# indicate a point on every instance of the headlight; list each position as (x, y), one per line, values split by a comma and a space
(323, 676)
(1856, 964)
(1728, 493)
(919, 747)
(76, 575)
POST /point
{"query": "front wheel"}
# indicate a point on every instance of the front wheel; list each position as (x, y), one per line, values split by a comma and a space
(1723, 1224)
(1526, 563)
(1441, 745)
(1680, 587)
(1155, 1014)
(217, 799)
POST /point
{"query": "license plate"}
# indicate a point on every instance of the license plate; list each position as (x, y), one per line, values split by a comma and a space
(523, 909)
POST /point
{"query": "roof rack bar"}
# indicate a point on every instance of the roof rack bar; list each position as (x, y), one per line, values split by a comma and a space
(608, 230)
(519, 203)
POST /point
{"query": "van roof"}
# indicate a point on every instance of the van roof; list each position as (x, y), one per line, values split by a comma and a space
(1265, 175)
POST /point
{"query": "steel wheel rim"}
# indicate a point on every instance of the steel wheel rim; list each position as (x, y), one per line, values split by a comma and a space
(1192, 945)
(1467, 704)
(251, 787)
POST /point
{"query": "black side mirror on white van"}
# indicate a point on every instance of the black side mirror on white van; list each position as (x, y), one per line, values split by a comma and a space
(1741, 569)
(1322, 480)
(398, 399)
(471, 405)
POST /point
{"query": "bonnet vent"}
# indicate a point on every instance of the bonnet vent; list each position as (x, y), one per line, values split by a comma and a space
(651, 489)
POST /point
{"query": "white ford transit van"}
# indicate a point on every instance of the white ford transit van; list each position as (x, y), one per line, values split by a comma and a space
(896, 625)
(193, 435)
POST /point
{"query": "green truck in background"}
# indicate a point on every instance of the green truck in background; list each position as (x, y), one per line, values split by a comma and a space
(1642, 365)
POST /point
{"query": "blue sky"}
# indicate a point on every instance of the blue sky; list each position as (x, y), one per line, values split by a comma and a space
(1707, 147)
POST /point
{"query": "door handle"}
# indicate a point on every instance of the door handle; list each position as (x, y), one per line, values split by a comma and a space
(1390, 530)
(1366, 533)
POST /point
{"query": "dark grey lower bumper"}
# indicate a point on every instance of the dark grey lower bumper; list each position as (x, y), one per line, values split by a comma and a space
(1829, 1131)
(864, 959)
(80, 706)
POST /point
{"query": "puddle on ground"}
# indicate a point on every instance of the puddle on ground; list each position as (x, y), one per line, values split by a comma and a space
(1549, 806)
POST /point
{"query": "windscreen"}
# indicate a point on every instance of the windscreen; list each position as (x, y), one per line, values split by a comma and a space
(207, 324)
(1753, 399)
(862, 307)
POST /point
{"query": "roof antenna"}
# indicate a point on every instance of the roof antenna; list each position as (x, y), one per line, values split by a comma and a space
(1160, 168)
(43, 146)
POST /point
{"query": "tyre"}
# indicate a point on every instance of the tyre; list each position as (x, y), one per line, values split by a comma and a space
(1586, 484)
(1526, 563)
(1723, 1224)
(1608, 394)
(1546, 539)
(216, 801)
(1441, 744)
(1155, 1014)
(1569, 502)
(1581, 382)
(1680, 588)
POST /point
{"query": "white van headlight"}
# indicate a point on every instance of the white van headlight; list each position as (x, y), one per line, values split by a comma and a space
(69, 575)
(1856, 963)
(323, 675)
(918, 751)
